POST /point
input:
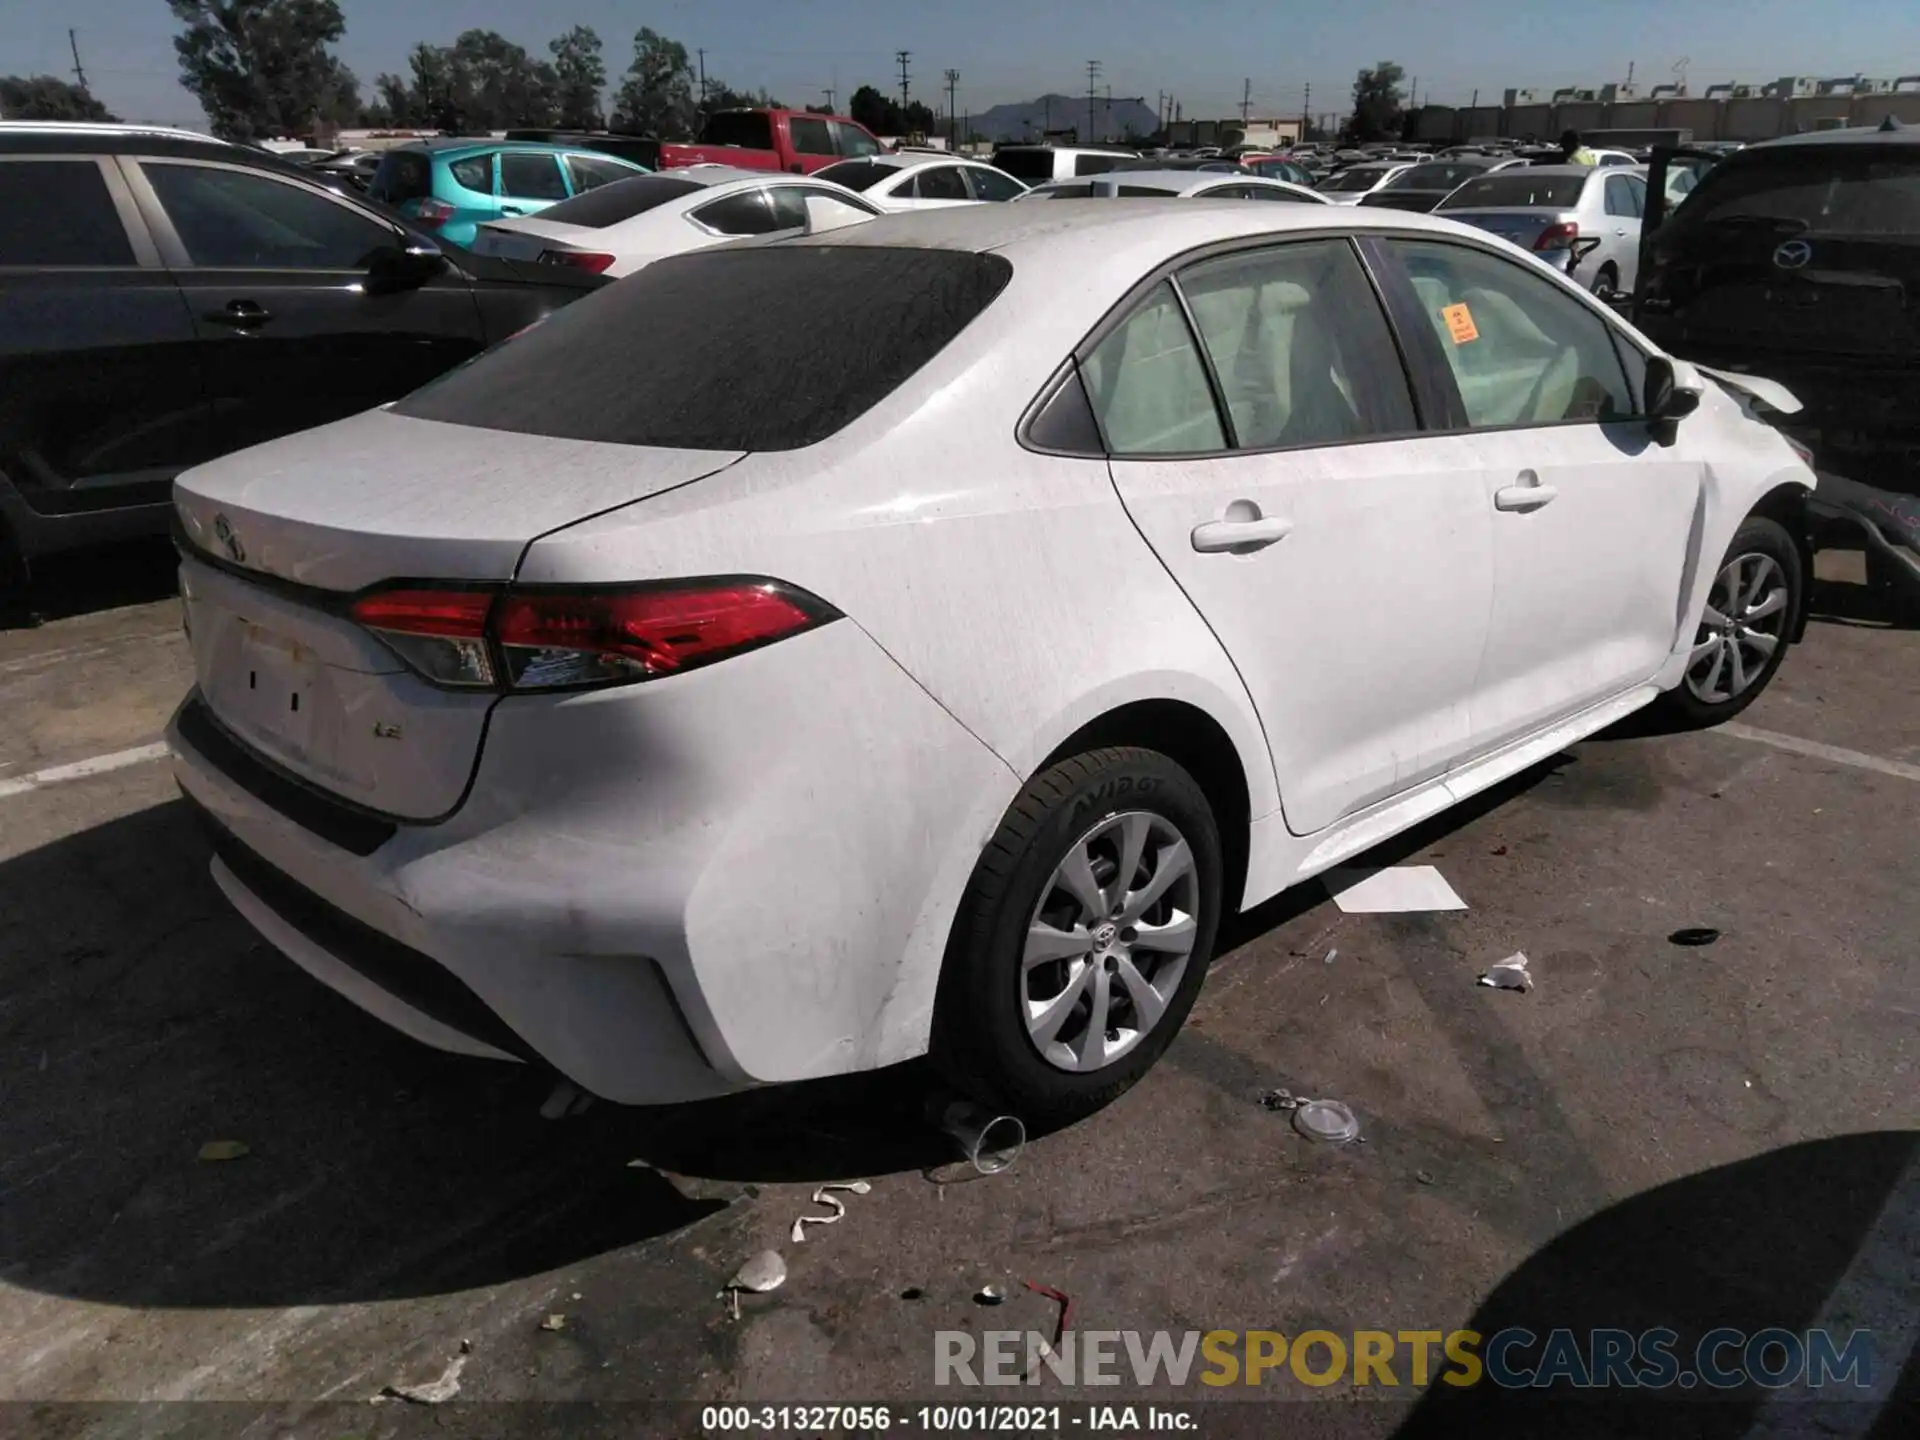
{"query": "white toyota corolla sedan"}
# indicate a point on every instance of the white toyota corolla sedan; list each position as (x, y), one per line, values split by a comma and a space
(801, 656)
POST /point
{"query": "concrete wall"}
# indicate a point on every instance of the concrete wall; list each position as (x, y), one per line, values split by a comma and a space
(1702, 117)
(1751, 118)
(1483, 123)
(1632, 115)
(1581, 115)
(1535, 120)
(1437, 122)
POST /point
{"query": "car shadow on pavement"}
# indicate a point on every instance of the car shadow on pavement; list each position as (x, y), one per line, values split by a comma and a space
(1818, 1235)
(86, 581)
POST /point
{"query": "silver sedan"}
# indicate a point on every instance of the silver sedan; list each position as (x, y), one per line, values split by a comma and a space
(1582, 220)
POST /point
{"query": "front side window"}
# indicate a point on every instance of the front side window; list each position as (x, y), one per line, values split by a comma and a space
(1149, 387)
(942, 182)
(58, 212)
(990, 184)
(1520, 351)
(853, 142)
(527, 176)
(810, 136)
(1299, 345)
(233, 220)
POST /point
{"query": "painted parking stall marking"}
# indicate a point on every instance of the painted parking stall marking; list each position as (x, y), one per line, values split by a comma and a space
(82, 769)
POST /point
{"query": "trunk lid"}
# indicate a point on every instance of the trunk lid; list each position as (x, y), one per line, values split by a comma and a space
(296, 526)
(1418, 201)
(1520, 224)
(523, 240)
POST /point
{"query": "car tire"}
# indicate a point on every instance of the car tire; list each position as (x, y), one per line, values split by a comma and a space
(1606, 285)
(1738, 651)
(995, 1034)
(16, 584)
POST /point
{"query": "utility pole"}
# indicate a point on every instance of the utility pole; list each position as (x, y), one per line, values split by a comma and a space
(901, 57)
(1413, 100)
(1246, 103)
(1093, 78)
(73, 43)
(703, 79)
(1306, 113)
(953, 136)
(828, 92)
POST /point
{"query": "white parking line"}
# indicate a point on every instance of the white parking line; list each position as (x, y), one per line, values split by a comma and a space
(81, 769)
(1899, 769)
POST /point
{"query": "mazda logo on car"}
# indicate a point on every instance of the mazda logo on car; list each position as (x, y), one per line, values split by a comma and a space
(1793, 254)
(223, 528)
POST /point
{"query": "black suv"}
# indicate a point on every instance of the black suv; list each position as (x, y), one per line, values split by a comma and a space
(166, 298)
(1799, 259)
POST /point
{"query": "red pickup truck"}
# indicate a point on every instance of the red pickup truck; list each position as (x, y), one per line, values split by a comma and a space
(792, 140)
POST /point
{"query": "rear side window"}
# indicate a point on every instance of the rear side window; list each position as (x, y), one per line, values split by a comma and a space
(622, 200)
(408, 175)
(1819, 189)
(531, 177)
(1149, 386)
(474, 173)
(769, 348)
(1094, 164)
(991, 184)
(1620, 198)
(856, 174)
(749, 129)
(590, 172)
(58, 212)
(942, 182)
(810, 136)
(745, 213)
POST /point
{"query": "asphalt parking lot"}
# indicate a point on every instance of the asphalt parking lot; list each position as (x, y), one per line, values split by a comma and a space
(1655, 1134)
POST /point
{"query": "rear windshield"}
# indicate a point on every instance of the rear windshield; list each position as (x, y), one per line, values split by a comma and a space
(403, 175)
(1826, 189)
(749, 129)
(1353, 180)
(1026, 165)
(770, 348)
(856, 174)
(1433, 177)
(609, 204)
(1517, 187)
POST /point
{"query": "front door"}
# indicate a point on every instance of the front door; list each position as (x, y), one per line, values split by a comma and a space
(1274, 464)
(275, 275)
(1591, 517)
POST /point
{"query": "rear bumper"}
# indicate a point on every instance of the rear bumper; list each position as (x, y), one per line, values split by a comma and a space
(737, 876)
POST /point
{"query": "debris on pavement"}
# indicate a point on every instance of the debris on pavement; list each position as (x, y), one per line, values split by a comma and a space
(990, 1295)
(565, 1099)
(224, 1150)
(988, 1142)
(759, 1274)
(1278, 1100)
(1425, 1177)
(1064, 1321)
(1331, 954)
(1399, 890)
(1326, 1120)
(823, 1196)
(1508, 974)
(554, 1323)
(1694, 935)
(434, 1392)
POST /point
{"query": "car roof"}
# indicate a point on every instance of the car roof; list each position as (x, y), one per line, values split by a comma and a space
(1852, 135)
(44, 136)
(454, 145)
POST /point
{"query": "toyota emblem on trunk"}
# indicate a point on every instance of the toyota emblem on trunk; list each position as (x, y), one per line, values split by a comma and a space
(223, 528)
(1793, 254)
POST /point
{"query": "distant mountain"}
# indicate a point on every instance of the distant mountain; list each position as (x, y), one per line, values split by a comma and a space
(1030, 121)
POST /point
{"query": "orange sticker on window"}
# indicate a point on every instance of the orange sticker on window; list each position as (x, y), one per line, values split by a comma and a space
(1460, 324)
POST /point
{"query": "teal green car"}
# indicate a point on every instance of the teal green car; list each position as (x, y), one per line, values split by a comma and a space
(449, 187)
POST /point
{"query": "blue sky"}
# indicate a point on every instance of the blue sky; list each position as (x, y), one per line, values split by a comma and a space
(1017, 49)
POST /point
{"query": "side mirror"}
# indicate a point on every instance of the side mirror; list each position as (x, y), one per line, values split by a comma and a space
(1666, 399)
(407, 266)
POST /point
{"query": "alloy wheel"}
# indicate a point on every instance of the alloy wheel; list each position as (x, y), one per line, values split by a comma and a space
(1109, 940)
(1743, 626)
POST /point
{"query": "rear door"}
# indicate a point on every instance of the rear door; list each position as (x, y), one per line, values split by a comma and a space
(530, 181)
(1591, 520)
(589, 172)
(289, 333)
(813, 144)
(100, 394)
(1270, 454)
(1620, 227)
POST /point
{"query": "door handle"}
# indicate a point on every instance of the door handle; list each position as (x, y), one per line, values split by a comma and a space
(239, 315)
(511, 210)
(1239, 535)
(1621, 231)
(1528, 494)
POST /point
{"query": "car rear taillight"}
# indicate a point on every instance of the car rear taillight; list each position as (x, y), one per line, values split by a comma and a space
(563, 638)
(433, 213)
(586, 260)
(1557, 237)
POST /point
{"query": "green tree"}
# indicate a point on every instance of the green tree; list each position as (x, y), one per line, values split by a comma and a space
(1376, 103)
(47, 97)
(504, 85)
(396, 103)
(656, 97)
(262, 67)
(875, 111)
(580, 75)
